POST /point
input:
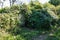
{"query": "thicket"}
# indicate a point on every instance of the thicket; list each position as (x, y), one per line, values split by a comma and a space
(34, 15)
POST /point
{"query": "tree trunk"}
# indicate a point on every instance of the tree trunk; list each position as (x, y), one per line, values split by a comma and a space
(10, 2)
(2, 5)
(13, 1)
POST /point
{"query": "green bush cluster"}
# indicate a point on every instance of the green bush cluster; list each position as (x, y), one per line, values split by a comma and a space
(10, 18)
(34, 15)
(39, 16)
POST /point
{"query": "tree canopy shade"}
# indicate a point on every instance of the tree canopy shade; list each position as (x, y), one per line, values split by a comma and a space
(55, 2)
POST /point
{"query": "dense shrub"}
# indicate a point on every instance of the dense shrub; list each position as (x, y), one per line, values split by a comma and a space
(34, 15)
(5, 20)
(37, 16)
(9, 21)
(39, 20)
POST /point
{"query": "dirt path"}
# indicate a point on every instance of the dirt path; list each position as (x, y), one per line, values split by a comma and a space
(41, 37)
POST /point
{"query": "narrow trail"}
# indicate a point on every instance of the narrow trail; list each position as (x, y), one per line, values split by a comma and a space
(41, 37)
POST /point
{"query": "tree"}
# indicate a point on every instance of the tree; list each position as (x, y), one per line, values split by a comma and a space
(2, 2)
(12, 2)
(55, 2)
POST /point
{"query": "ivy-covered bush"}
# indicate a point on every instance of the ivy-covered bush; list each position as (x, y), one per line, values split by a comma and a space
(34, 15)
(39, 17)
(39, 20)
(9, 20)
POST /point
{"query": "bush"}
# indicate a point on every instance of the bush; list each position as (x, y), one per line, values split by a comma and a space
(9, 21)
(39, 20)
(37, 16)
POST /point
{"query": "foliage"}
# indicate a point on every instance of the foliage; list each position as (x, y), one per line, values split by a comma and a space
(24, 34)
(8, 20)
(39, 16)
(31, 16)
(58, 10)
(55, 2)
(5, 10)
(50, 7)
(52, 38)
(14, 8)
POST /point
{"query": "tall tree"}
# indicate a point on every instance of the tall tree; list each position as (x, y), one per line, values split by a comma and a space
(10, 2)
(2, 2)
(13, 1)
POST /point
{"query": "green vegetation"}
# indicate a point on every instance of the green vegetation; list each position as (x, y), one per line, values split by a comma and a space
(55, 2)
(24, 22)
